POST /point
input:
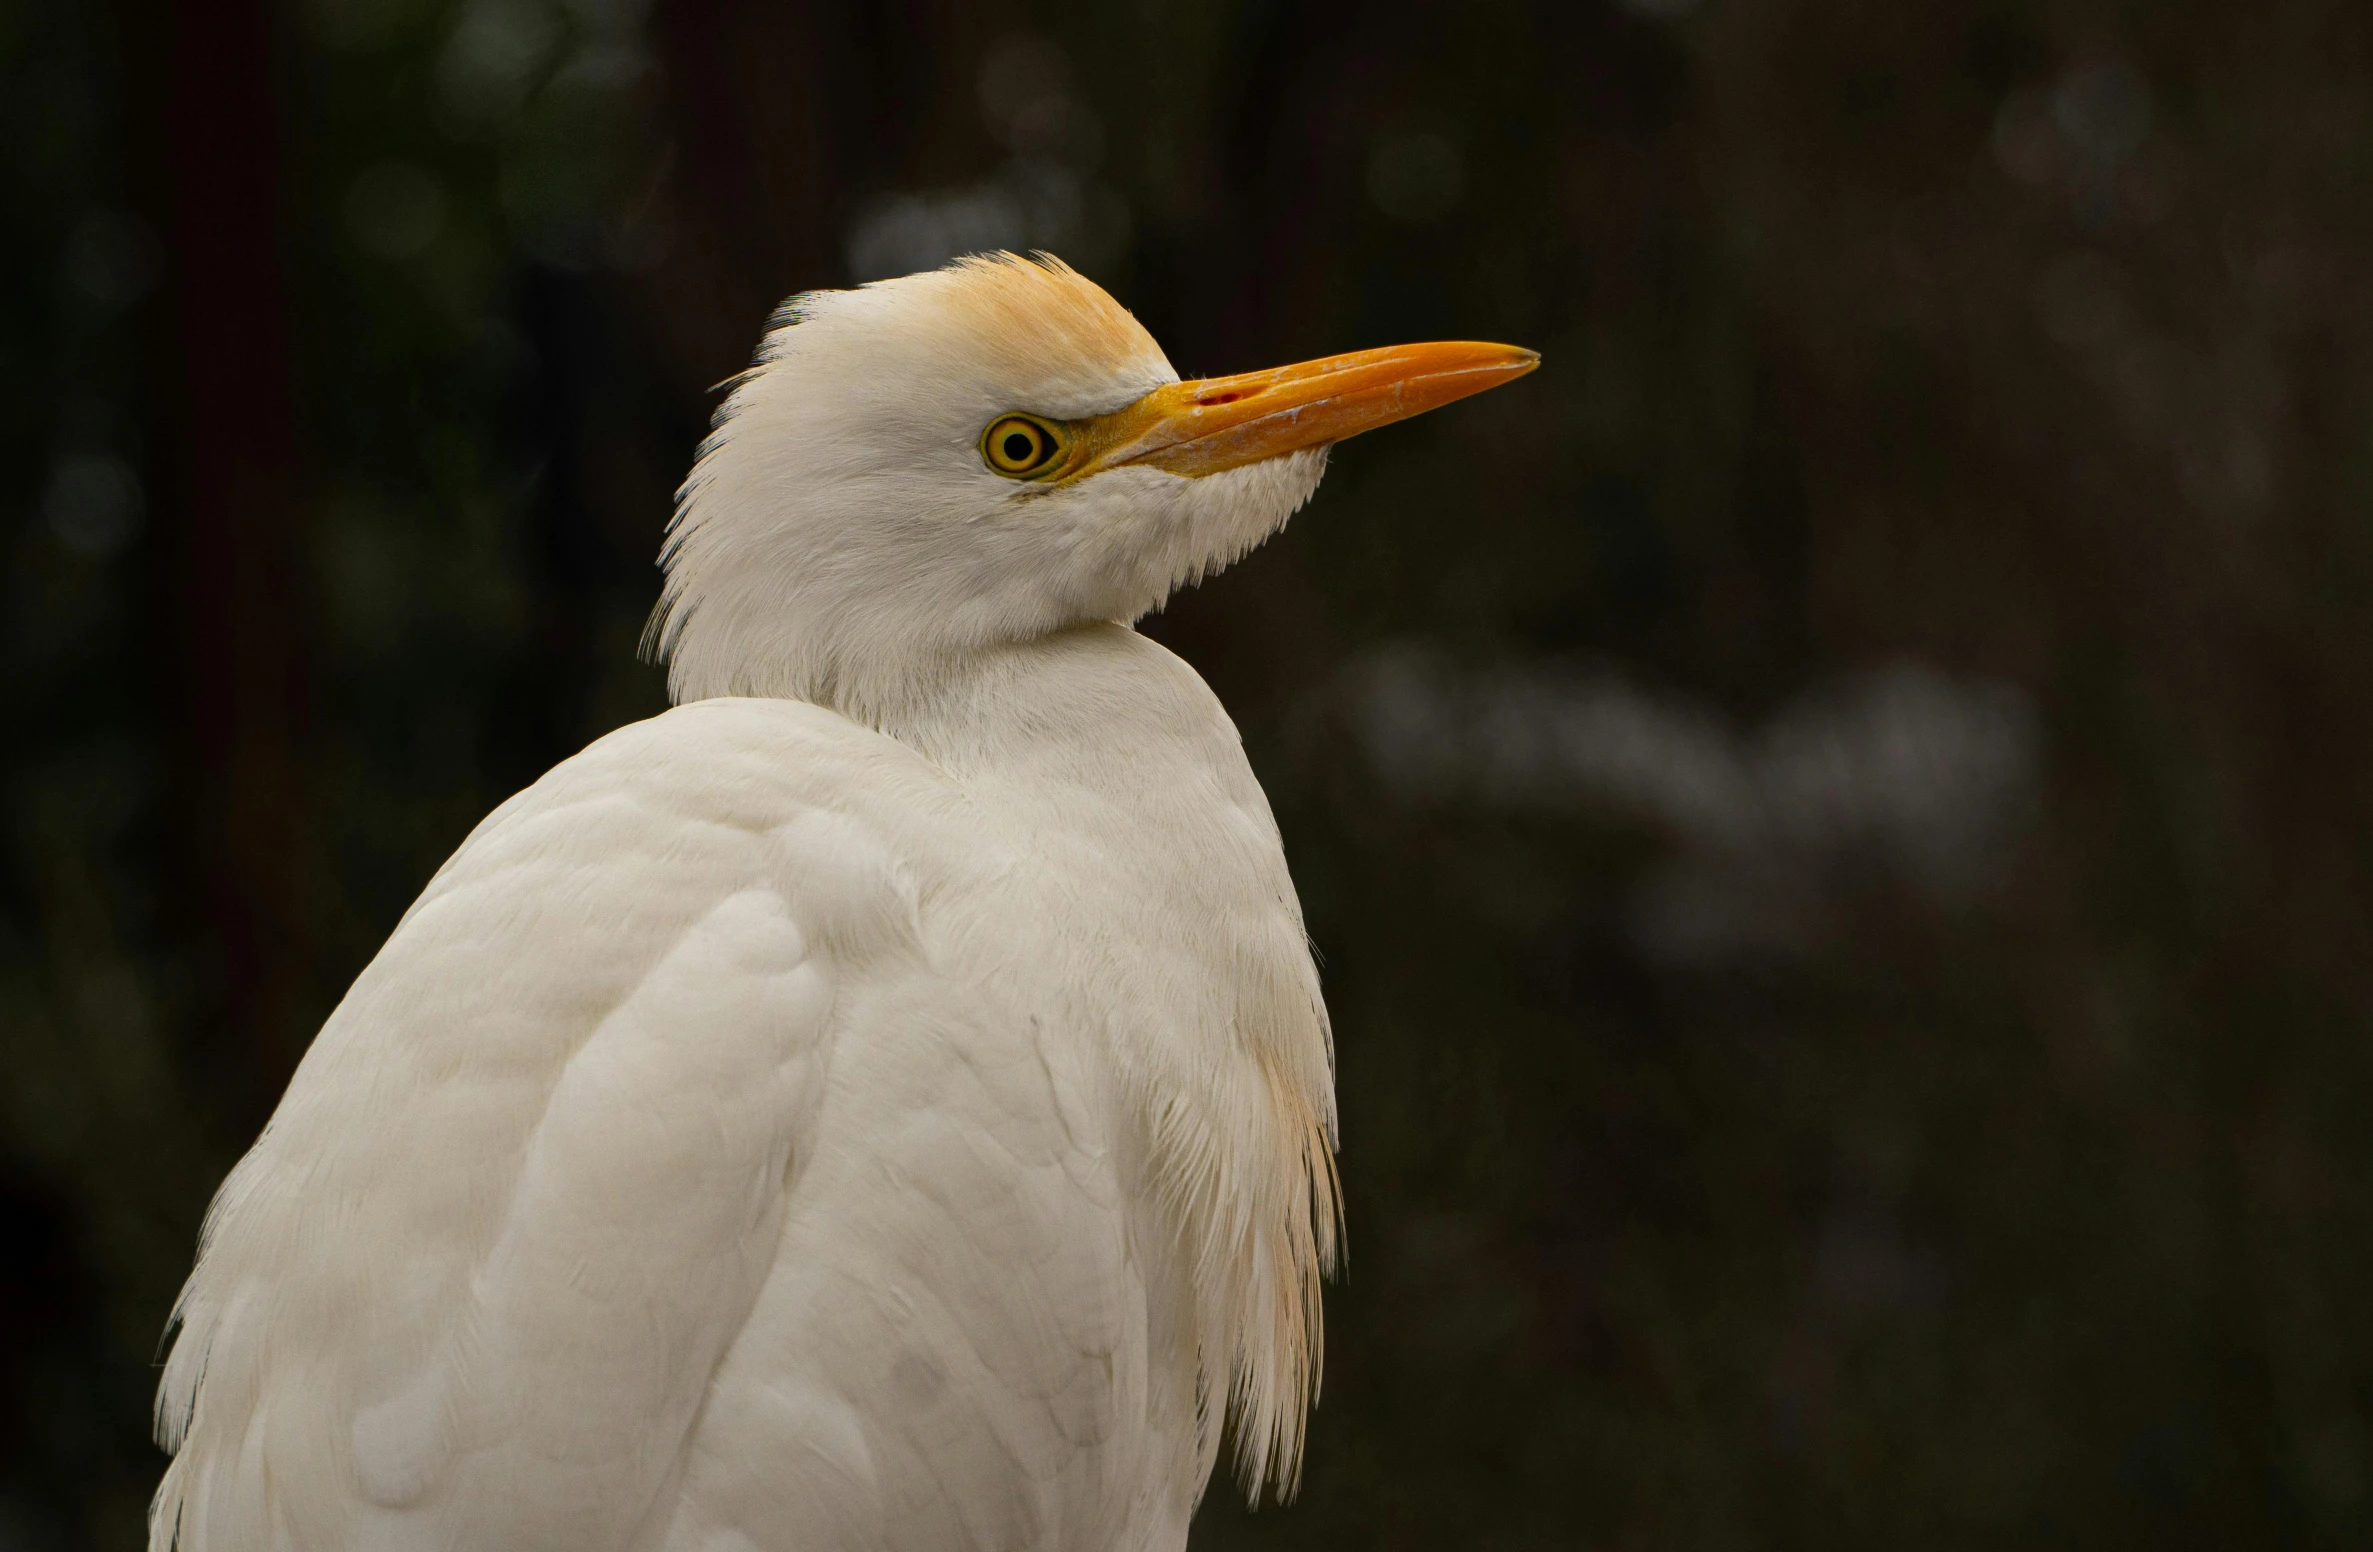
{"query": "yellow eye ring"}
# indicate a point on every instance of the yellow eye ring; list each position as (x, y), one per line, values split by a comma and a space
(1020, 446)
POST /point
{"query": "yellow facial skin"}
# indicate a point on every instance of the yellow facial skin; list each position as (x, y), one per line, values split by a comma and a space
(1215, 423)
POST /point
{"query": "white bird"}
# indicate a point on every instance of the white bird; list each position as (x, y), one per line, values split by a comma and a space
(885, 1101)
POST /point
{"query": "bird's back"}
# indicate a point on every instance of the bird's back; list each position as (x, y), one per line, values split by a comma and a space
(738, 1146)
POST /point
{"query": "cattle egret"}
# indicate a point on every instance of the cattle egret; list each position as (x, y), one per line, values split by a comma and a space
(884, 1101)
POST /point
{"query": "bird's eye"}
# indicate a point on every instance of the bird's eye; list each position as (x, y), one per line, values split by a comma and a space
(1017, 446)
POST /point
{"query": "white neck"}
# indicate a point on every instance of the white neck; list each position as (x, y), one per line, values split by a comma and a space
(1165, 870)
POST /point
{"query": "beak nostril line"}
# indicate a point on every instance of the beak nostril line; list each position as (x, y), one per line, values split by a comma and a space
(1207, 425)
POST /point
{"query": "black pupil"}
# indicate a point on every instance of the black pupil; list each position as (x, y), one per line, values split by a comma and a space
(1019, 445)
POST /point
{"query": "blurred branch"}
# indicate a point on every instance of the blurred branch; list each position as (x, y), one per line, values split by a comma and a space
(232, 579)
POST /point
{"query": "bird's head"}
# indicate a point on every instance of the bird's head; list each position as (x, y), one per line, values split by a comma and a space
(928, 467)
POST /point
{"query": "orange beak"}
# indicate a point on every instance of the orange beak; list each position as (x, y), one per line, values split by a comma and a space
(1218, 423)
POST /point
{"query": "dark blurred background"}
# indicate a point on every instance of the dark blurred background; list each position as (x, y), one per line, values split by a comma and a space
(1837, 814)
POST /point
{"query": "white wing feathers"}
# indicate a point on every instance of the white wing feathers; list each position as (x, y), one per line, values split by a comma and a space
(759, 1137)
(590, 1055)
